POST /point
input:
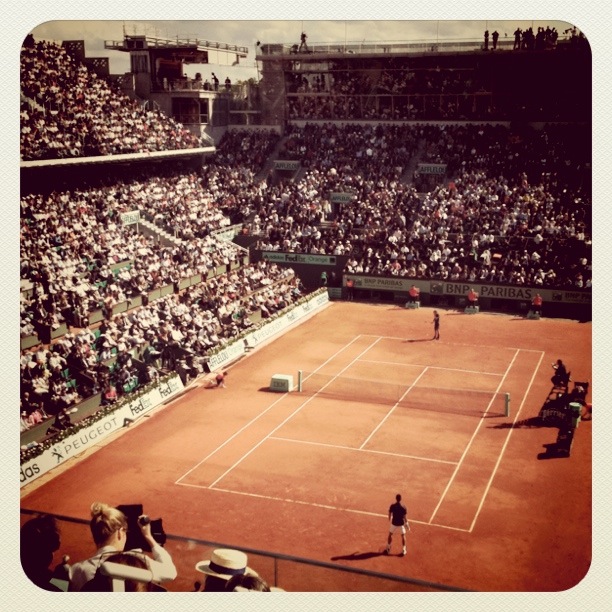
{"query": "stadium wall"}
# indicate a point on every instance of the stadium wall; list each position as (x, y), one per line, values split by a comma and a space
(558, 302)
(307, 266)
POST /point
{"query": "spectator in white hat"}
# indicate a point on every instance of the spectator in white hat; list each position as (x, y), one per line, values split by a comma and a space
(224, 564)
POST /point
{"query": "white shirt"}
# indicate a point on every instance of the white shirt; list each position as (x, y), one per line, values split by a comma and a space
(161, 566)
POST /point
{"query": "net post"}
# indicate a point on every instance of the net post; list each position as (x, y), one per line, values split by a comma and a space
(299, 380)
(507, 405)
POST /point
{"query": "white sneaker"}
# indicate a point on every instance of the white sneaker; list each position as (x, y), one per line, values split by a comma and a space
(403, 552)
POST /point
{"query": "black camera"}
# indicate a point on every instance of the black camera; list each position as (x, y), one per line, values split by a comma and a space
(136, 517)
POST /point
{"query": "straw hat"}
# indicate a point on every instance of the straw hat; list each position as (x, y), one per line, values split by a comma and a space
(225, 563)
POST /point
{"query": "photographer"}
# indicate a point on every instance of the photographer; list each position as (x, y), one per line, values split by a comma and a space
(561, 376)
(303, 45)
(109, 530)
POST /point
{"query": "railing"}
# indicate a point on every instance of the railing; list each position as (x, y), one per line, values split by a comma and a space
(288, 572)
(195, 85)
(380, 47)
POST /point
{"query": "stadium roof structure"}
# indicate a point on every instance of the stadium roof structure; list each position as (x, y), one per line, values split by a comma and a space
(392, 47)
(118, 157)
(188, 50)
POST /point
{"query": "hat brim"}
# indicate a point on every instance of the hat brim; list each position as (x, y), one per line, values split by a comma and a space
(204, 567)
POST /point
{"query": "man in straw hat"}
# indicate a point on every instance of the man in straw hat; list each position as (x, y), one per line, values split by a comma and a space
(224, 564)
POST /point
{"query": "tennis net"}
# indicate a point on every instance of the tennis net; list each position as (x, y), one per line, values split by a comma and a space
(471, 402)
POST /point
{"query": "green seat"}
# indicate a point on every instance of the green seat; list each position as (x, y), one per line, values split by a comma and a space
(129, 387)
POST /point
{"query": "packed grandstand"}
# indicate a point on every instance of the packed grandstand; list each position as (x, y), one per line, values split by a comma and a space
(109, 306)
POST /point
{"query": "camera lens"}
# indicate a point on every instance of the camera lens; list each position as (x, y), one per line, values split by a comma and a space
(144, 520)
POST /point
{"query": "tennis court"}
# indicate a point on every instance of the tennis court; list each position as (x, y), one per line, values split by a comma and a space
(380, 409)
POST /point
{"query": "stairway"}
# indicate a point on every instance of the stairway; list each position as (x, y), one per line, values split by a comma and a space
(166, 238)
(408, 172)
(269, 164)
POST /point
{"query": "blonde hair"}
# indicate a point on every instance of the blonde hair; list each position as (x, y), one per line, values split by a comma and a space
(105, 520)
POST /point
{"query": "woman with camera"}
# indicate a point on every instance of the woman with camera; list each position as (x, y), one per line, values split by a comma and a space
(109, 530)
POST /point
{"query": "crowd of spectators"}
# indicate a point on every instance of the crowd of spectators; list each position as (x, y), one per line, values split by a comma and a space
(172, 333)
(516, 213)
(544, 38)
(352, 150)
(67, 111)
(79, 257)
(232, 176)
(398, 91)
(491, 223)
(393, 100)
(245, 150)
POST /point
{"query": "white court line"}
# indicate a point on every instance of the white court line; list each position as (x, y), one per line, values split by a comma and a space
(503, 450)
(420, 365)
(363, 450)
(257, 417)
(467, 448)
(392, 409)
(291, 415)
(332, 357)
(483, 346)
(316, 505)
(197, 465)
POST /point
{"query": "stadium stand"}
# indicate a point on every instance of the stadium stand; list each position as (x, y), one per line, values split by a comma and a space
(67, 111)
(500, 219)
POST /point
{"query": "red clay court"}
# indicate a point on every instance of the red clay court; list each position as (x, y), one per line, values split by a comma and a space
(383, 410)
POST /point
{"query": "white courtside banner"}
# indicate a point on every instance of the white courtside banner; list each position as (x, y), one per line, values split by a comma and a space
(90, 435)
